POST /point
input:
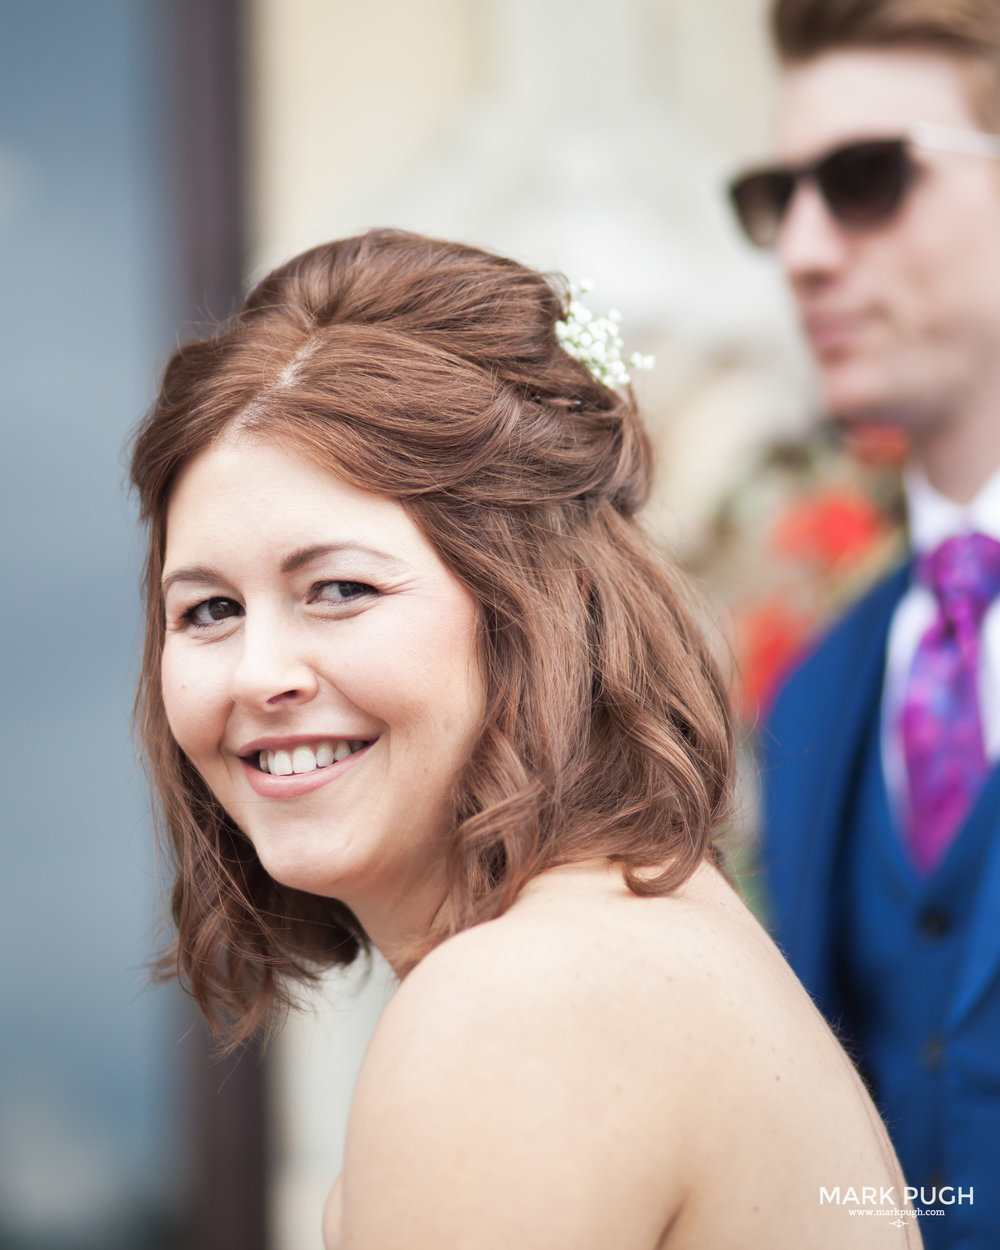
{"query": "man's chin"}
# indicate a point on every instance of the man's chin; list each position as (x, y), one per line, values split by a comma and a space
(853, 404)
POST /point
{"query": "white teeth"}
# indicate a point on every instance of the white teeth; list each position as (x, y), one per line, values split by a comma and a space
(281, 764)
(303, 760)
(306, 759)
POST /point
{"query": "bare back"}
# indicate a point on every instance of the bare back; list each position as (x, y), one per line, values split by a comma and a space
(598, 1069)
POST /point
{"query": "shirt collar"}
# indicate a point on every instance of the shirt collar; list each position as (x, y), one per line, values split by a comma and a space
(933, 517)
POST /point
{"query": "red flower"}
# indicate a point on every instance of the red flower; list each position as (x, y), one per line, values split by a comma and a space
(832, 528)
(770, 635)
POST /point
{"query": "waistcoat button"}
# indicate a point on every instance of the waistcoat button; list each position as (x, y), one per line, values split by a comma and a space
(932, 1054)
(934, 922)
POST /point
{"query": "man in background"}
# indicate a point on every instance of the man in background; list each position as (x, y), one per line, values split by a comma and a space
(881, 841)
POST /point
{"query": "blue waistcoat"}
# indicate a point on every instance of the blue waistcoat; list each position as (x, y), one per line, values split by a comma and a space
(898, 946)
(849, 919)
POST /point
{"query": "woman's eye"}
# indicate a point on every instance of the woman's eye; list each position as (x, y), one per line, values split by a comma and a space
(210, 611)
(341, 592)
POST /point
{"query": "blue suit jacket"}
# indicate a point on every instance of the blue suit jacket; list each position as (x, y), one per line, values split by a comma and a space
(810, 749)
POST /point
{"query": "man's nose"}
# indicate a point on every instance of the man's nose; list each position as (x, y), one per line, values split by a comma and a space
(811, 245)
(273, 669)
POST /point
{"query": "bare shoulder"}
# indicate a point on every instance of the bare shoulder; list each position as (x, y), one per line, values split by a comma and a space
(595, 1068)
(510, 1062)
(582, 969)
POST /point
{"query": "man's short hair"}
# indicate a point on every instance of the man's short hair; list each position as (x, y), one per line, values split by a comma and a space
(968, 29)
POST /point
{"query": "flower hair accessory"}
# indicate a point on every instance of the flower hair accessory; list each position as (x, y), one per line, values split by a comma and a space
(596, 341)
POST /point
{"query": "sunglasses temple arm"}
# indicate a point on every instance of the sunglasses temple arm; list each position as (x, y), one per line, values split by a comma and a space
(960, 142)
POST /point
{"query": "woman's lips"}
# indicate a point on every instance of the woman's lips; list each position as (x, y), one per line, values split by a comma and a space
(291, 786)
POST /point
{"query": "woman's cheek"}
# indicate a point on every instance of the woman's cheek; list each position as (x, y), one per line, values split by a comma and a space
(191, 699)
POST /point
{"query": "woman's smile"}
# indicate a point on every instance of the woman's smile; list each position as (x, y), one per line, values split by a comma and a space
(298, 768)
(320, 670)
(285, 758)
(291, 766)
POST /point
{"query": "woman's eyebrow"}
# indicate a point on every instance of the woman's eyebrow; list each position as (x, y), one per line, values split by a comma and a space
(295, 560)
(193, 573)
(305, 555)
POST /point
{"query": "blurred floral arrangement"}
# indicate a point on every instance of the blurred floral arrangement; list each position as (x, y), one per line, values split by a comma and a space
(803, 533)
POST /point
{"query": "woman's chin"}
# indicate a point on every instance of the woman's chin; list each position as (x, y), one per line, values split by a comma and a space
(299, 867)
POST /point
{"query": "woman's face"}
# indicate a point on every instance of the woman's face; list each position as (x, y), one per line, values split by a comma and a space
(321, 671)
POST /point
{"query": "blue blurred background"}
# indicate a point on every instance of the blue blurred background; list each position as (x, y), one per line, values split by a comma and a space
(91, 1103)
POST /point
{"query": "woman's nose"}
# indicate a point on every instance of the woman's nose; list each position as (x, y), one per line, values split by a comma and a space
(272, 669)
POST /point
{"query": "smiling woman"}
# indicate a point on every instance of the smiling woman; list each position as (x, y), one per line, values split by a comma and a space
(342, 673)
(414, 676)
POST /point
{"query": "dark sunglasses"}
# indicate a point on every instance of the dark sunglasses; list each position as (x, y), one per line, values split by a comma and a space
(862, 184)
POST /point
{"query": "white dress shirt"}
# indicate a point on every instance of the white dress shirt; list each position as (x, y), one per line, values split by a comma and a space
(934, 518)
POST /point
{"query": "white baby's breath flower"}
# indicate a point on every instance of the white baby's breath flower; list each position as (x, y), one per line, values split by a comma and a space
(596, 341)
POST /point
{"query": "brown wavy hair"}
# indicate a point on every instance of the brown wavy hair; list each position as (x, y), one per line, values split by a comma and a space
(967, 29)
(430, 372)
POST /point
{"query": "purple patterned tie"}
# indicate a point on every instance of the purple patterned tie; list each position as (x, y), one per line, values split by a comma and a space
(941, 724)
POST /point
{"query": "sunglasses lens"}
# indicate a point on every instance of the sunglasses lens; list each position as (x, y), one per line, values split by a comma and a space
(760, 201)
(864, 183)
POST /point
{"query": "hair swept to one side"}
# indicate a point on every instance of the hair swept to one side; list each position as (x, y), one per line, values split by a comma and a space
(430, 372)
(968, 29)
